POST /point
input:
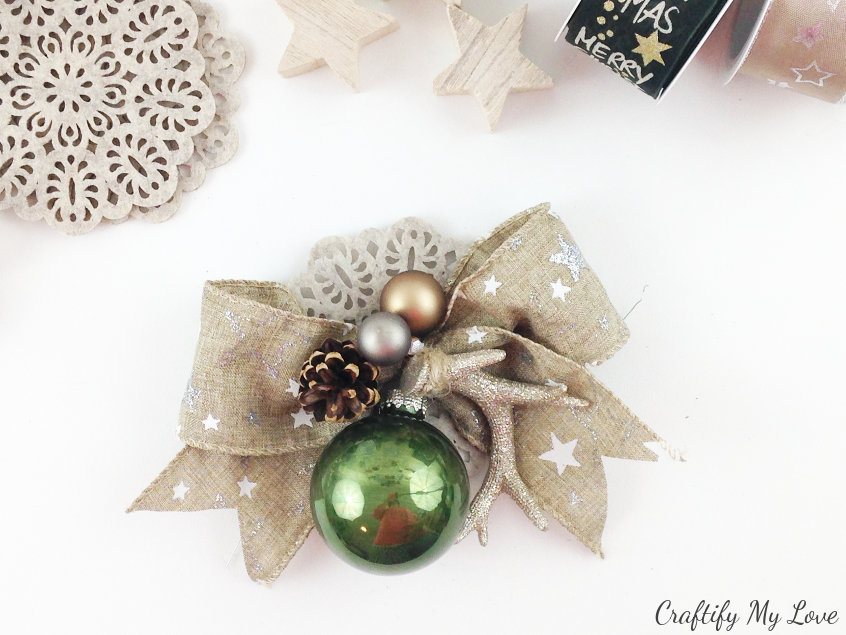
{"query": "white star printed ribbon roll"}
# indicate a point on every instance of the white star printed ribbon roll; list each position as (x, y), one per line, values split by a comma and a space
(798, 46)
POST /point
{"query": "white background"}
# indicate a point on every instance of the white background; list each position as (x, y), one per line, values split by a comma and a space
(725, 203)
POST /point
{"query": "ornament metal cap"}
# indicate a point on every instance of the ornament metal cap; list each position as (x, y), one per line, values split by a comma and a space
(399, 402)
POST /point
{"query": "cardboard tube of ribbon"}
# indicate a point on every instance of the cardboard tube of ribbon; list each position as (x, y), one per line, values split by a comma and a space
(800, 46)
(647, 42)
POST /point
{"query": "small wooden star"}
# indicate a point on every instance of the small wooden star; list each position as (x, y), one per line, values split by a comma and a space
(490, 65)
(330, 32)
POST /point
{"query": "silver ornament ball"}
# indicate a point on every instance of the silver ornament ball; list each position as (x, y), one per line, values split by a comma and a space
(384, 339)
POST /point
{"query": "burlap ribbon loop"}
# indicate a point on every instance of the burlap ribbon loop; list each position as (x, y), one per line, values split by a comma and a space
(529, 276)
(526, 290)
(242, 398)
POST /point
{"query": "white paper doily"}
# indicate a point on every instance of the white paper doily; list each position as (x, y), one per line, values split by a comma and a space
(111, 108)
(345, 276)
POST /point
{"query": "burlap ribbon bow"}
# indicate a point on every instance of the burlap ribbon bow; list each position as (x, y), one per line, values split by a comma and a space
(525, 290)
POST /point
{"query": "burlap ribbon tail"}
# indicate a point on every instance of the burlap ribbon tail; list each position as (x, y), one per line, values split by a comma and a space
(526, 290)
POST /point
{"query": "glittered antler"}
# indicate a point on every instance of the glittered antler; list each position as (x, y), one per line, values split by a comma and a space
(434, 373)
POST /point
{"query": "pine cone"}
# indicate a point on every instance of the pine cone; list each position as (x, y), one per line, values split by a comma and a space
(336, 383)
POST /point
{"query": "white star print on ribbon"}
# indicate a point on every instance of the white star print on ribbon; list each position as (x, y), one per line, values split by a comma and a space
(559, 290)
(561, 454)
(302, 418)
(210, 423)
(475, 336)
(778, 84)
(179, 491)
(293, 388)
(491, 285)
(246, 486)
(821, 75)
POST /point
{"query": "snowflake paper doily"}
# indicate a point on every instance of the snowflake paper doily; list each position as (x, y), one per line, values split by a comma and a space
(346, 275)
(111, 108)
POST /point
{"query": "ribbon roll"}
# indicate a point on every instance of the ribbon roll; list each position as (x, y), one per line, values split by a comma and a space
(800, 46)
(647, 42)
(526, 292)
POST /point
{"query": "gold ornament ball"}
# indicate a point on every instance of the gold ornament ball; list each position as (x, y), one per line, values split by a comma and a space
(418, 298)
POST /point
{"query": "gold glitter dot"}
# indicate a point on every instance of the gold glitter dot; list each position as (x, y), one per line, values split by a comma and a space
(610, 33)
(608, 6)
(601, 36)
(616, 17)
(601, 19)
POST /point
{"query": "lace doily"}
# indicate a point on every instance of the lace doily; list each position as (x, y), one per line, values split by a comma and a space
(111, 108)
(345, 276)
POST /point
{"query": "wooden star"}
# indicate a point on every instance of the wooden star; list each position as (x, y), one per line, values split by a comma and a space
(490, 65)
(330, 32)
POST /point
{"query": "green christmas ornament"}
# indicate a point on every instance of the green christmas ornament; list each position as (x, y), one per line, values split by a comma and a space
(389, 493)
